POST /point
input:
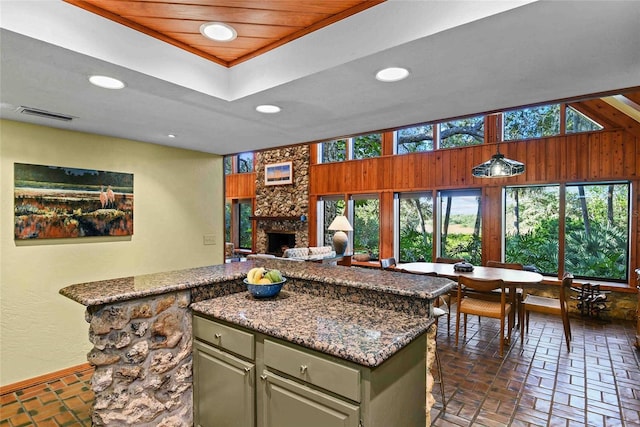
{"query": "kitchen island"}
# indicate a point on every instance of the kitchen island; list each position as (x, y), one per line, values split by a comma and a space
(141, 327)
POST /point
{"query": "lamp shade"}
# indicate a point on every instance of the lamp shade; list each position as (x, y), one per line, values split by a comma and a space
(340, 223)
(498, 167)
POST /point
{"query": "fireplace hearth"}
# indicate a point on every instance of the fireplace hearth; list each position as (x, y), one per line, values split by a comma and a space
(278, 241)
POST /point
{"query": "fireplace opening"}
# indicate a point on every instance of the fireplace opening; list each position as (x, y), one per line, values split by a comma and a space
(277, 242)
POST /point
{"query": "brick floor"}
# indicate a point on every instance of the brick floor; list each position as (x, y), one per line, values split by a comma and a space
(538, 384)
(60, 402)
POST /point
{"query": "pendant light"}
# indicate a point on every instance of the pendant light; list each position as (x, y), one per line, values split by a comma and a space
(498, 167)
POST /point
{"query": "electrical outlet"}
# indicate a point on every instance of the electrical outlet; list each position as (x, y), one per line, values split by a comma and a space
(209, 239)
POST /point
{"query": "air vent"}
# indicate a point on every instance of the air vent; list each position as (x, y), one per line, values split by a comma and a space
(44, 113)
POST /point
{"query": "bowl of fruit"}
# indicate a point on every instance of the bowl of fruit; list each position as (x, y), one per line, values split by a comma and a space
(263, 283)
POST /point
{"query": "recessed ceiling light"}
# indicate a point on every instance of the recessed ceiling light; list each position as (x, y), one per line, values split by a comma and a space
(218, 31)
(106, 82)
(171, 135)
(268, 109)
(392, 74)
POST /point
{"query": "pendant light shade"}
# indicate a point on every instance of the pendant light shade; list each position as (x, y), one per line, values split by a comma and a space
(498, 167)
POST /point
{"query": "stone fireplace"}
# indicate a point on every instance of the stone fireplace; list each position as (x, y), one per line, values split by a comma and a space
(282, 209)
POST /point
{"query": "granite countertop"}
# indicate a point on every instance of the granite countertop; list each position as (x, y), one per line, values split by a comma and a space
(362, 334)
(128, 288)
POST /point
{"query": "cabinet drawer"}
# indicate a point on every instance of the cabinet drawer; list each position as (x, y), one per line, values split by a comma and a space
(315, 370)
(223, 336)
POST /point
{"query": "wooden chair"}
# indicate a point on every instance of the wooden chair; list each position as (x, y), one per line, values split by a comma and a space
(519, 292)
(509, 265)
(548, 305)
(471, 304)
(387, 263)
(449, 260)
(452, 294)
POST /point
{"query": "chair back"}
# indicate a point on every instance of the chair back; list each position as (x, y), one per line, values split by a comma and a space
(449, 260)
(480, 285)
(387, 263)
(509, 265)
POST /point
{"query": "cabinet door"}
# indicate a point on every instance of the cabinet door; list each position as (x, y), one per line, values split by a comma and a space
(224, 388)
(289, 404)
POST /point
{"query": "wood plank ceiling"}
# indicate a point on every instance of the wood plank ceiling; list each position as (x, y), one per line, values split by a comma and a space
(261, 25)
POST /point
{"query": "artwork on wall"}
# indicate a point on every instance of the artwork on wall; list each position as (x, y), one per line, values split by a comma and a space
(278, 173)
(61, 202)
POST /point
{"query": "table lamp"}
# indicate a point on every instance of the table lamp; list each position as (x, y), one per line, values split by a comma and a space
(340, 240)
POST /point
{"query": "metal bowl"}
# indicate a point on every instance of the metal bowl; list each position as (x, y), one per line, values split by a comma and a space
(265, 291)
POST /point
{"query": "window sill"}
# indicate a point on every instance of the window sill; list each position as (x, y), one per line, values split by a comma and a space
(604, 285)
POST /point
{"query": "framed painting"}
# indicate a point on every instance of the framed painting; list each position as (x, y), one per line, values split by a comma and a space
(278, 173)
(60, 202)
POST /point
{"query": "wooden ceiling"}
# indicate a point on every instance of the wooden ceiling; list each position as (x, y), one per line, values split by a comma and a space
(261, 25)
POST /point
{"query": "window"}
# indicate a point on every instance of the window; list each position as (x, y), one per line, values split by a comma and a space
(359, 147)
(597, 230)
(334, 151)
(531, 226)
(245, 162)
(414, 139)
(460, 133)
(460, 225)
(366, 225)
(227, 165)
(578, 122)
(415, 223)
(329, 207)
(366, 146)
(227, 222)
(534, 122)
(245, 230)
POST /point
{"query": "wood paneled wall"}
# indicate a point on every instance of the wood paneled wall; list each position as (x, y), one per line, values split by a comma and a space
(240, 186)
(613, 155)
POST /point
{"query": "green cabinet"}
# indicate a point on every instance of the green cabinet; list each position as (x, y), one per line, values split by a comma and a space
(224, 388)
(287, 403)
(243, 378)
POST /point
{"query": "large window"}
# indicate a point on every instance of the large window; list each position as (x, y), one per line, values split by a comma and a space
(462, 132)
(531, 226)
(415, 224)
(414, 139)
(366, 225)
(245, 229)
(534, 122)
(460, 225)
(597, 230)
(329, 207)
(596, 233)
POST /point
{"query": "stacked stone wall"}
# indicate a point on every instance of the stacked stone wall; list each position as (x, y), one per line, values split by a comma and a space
(289, 200)
(143, 363)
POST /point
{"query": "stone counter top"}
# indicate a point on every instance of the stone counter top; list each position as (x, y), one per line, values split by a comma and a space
(128, 288)
(362, 334)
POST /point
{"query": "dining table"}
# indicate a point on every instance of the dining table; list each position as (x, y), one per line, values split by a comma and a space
(519, 278)
(513, 278)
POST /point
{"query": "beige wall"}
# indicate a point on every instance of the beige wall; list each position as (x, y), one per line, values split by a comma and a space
(178, 197)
